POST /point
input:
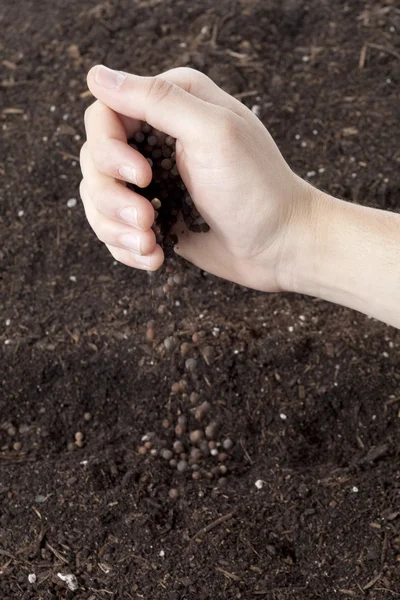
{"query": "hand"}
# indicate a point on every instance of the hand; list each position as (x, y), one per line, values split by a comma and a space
(255, 205)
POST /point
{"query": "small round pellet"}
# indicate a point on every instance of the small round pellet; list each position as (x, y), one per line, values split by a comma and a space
(173, 494)
(146, 128)
(154, 452)
(173, 463)
(176, 387)
(139, 137)
(17, 446)
(167, 164)
(178, 447)
(222, 456)
(166, 152)
(183, 456)
(190, 364)
(182, 420)
(166, 454)
(156, 203)
(179, 430)
(156, 153)
(202, 411)
(195, 467)
(194, 398)
(166, 424)
(182, 466)
(211, 430)
(223, 469)
(185, 348)
(149, 161)
(227, 444)
(196, 436)
(148, 445)
(169, 140)
(222, 481)
(142, 450)
(152, 140)
(195, 454)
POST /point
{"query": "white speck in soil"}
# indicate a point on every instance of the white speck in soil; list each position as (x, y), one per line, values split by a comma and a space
(259, 484)
(21, 213)
(52, 108)
(283, 416)
(71, 202)
(32, 578)
(72, 278)
(354, 489)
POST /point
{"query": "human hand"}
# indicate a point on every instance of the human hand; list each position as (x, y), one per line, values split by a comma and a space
(254, 204)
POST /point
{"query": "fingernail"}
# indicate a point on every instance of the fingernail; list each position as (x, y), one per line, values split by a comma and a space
(129, 215)
(145, 261)
(128, 173)
(131, 241)
(108, 78)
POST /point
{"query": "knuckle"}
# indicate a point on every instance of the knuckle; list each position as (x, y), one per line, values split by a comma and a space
(160, 89)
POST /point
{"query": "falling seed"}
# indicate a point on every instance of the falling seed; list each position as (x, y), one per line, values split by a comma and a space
(166, 288)
(227, 444)
(149, 161)
(178, 279)
(202, 411)
(170, 281)
(166, 152)
(196, 475)
(148, 445)
(222, 481)
(17, 446)
(166, 454)
(169, 140)
(196, 436)
(146, 128)
(223, 457)
(173, 493)
(194, 398)
(139, 137)
(152, 140)
(156, 203)
(173, 463)
(195, 454)
(142, 450)
(182, 466)
(166, 424)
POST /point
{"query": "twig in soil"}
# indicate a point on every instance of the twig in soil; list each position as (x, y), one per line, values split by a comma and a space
(387, 590)
(228, 575)
(213, 525)
(57, 553)
(373, 581)
(242, 95)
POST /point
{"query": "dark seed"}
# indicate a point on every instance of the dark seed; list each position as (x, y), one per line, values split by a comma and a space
(152, 140)
(139, 137)
(196, 475)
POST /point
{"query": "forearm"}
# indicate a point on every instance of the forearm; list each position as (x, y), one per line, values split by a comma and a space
(351, 257)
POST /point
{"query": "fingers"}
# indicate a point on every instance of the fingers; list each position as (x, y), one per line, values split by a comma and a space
(199, 85)
(164, 105)
(111, 198)
(129, 245)
(107, 137)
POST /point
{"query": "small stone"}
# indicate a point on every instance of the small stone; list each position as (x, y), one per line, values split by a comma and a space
(259, 484)
(173, 493)
(195, 455)
(167, 164)
(211, 430)
(32, 578)
(185, 348)
(178, 447)
(182, 466)
(152, 140)
(148, 445)
(196, 338)
(227, 444)
(196, 436)
(202, 411)
(176, 387)
(223, 469)
(178, 279)
(11, 431)
(169, 140)
(166, 454)
(173, 463)
(154, 452)
(190, 365)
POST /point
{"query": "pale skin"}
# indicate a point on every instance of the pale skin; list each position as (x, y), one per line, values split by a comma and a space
(270, 230)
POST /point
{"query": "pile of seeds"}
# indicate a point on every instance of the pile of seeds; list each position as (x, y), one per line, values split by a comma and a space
(192, 448)
(167, 191)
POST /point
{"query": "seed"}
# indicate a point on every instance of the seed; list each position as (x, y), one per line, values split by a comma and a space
(146, 128)
(11, 431)
(223, 470)
(195, 454)
(169, 140)
(166, 424)
(195, 467)
(194, 398)
(148, 445)
(208, 353)
(174, 171)
(154, 452)
(190, 364)
(195, 338)
(222, 481)
(152, 140)
(139, 137)
(178, 447)
(161, 309)
(142, 450)
(176, 387)
(166, 152)
(184, 385)
(179, 430)
(196, 475)
(170, 343)
(182, 466)
(166, 288)
(212, 445)
(211, 430)
(166, 164)
(150, 334)
(203, 445)
(196, 436)
(227, 444)
(173, 493)
(79, 439)
(156, 203)
(202, 410)
(185, 348)
(149, 161)
(178, 279)
(182, 421)
(156, 153)
(87, 416)
(17, 446)
(166, 454)
(222, 456)
(170, 281)
(173, 462)
(183, 456)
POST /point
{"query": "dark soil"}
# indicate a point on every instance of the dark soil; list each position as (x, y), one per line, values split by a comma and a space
(308, 392)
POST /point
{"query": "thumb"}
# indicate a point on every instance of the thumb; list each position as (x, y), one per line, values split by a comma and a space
(157, 101)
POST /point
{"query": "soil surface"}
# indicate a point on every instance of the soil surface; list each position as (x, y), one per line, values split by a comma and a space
(307, 392)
